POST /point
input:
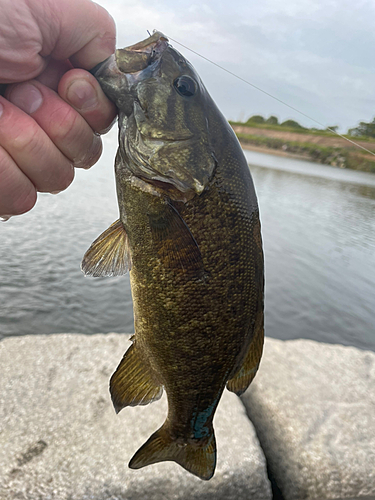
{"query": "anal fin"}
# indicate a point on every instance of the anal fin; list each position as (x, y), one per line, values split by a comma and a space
(132, 383)
(109, 254)
(249, 367)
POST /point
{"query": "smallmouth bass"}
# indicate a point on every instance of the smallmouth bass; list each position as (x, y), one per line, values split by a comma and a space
(189, 232)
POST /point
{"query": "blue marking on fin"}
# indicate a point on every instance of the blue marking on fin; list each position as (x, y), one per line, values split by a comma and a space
(199, 421)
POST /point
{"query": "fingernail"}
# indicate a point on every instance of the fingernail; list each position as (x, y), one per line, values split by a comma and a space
(1, 109)
(55, 192)
(26, 97)
(82, 95)
(4, 218)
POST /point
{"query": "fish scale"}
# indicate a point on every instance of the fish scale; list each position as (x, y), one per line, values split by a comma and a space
(189, 223)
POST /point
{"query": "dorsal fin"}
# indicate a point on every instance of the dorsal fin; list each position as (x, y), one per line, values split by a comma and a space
(109, 254)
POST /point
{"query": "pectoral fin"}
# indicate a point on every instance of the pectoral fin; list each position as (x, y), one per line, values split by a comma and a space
(132, 383)
(247, 371)
(109, 255)
(174, 242)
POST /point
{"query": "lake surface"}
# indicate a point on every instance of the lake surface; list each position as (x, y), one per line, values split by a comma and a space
(319, 238)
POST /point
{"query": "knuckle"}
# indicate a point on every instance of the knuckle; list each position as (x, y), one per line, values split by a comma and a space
(26, 139)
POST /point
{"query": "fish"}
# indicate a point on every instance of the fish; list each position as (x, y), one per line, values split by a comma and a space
(189, 234)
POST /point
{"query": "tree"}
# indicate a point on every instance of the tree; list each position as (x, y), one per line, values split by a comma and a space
(292, 124)
(272, 120)
(366, 129)
(255, 119)
(333, 128)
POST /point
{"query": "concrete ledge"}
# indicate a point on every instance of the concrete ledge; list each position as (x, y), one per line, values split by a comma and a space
(313, 407)
(61, 439)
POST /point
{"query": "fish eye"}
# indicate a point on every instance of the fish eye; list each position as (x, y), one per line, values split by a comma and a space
(185, 86)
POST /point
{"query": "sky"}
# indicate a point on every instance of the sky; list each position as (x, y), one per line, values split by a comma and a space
(316, 55)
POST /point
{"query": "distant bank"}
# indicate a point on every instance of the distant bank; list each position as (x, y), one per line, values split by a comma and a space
(322, 147)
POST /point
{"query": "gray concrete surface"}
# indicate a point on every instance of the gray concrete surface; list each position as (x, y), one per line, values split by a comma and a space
(313, 407)
(60, 438)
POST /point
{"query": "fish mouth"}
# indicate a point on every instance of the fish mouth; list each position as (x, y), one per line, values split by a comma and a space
(127, 66)
(139, 56)
(134, 58)
(119, 74)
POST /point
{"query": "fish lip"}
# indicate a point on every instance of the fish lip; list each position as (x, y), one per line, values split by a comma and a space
(157, 36)
(96, 69)
(149, 51)
(136, 58)
(107, 67)
(107, 64)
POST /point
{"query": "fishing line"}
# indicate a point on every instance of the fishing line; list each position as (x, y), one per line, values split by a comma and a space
(273, 97)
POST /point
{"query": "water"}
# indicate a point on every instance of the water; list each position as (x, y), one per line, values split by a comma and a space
(42, 289)
(319, 238)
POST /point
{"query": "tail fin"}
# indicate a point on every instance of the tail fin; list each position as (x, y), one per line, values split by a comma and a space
(198, 458)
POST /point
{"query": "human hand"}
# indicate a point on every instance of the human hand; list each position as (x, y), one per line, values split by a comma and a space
(50, 120)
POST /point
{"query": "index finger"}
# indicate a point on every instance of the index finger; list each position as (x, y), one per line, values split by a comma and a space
(88, 34)
(84, 32)
(32, 31)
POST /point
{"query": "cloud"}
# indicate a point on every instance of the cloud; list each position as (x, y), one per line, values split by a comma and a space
(314, 53)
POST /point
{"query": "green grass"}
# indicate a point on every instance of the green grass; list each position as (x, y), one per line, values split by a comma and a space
(321, 154)
(310, 131)
(266, 126)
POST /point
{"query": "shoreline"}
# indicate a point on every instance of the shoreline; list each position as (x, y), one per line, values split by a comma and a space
(321, 149)
(275, 152)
